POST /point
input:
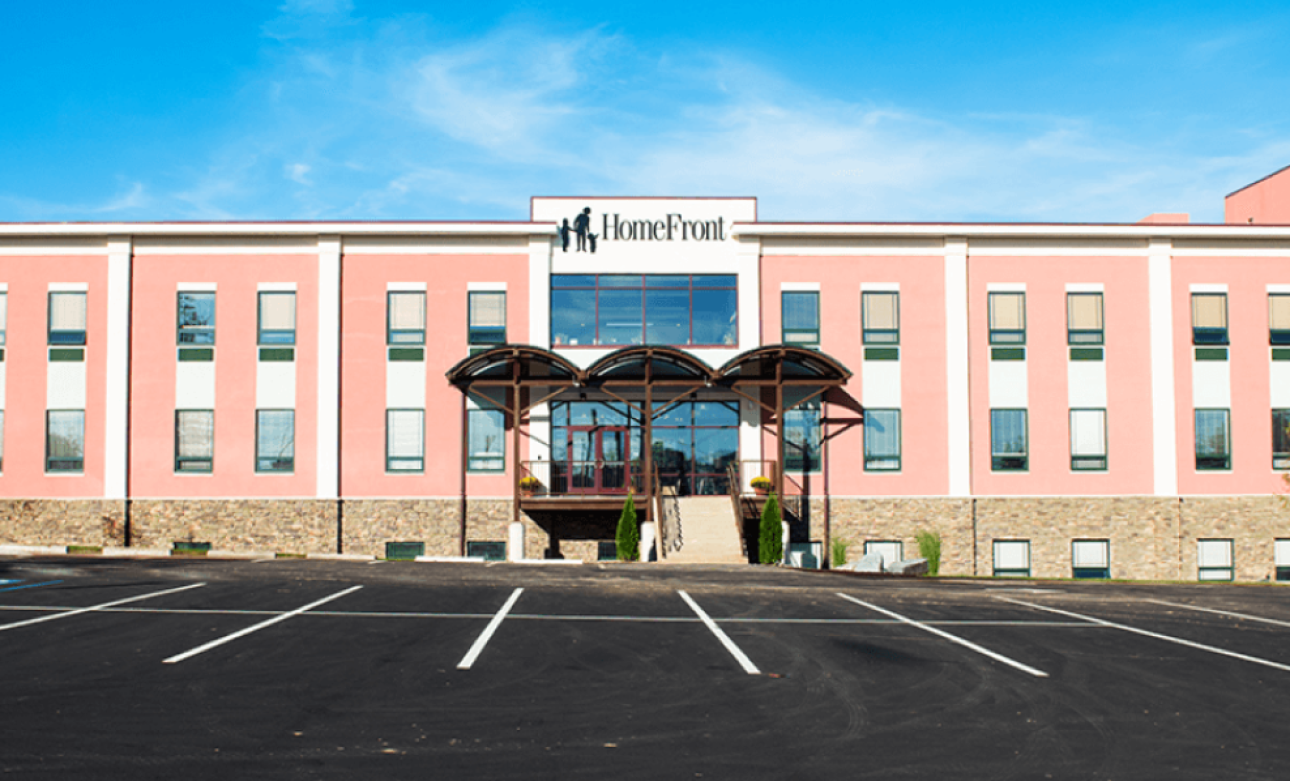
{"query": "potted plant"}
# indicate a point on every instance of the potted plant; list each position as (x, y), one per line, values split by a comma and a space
(761, 485)
(529, 485)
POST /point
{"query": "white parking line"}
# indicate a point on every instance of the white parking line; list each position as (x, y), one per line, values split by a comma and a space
(1246, 616)
(951, 638)
(482, 640)
(1157, 635)
(739, 655)
(257, 627)
(66, 614)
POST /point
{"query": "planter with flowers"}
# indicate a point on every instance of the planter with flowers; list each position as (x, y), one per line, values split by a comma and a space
(529, 485)
(761, 485)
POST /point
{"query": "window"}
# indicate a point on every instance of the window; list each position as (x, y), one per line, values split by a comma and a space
(1012, 558)
(275, 440)
(1281, 439)
(1008, 445)
(194, 440)
(880, 317)
(1088, 439)
(625, 309)
(1209, 318)
(891, 550)
(67, 318)
(1007, 318)
(1214, 559)
(405, 440)
(1, 440)
(405, 318)
(196, 318)
(1084, 318)
(881, 440)
(487, 319)
(1213, 439)
(1281, 558)
(801, 315)
(64, 440)
(802, 437)
(486, 443)
(1279, 318)
(277, 318)
(1091, 559)
(4, 315)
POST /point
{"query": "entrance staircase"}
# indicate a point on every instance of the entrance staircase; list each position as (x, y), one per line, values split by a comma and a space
(709, 532)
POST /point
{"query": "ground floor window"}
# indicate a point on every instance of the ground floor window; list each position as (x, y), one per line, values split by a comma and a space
(1091, 559)
(486, 440)
(194, 440)
(1012, 558)
(488, 550)
(1214, 559)
(65, 440)
(891, 550)
(275, 440)
(405, 440)
(882, 440)
(1281, 558)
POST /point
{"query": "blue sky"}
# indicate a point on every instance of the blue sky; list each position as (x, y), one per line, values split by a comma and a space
(336, 109)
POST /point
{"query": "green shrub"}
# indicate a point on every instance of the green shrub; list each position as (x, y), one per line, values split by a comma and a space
(838, 553)
(770, 548)
(929, 547)
(629, 534)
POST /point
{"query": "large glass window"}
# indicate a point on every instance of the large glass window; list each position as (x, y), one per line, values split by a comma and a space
(1009, 450)
(405, 317)
(880, 316)
(1279, 318)
(801, 317)
(1088, 439)
(65, 440)
(802, 437)
(1213, 439)
(194, 440)
(1084, 318)
(1209, 318)
(275, 440)
(881, 440)
(405, 440)
(196, 318)
(486, 440)
(1281, 439)
(487, 326)
(277, 317)
(1007, 318)
(67, 318)
(624, 309)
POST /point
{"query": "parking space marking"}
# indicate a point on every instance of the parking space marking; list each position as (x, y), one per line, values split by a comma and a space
(739, 655)
(487, 634)
(1156, 635)
(29, 585)
(952, 638)
(257, 627)
(1246, 616)
(78, 611)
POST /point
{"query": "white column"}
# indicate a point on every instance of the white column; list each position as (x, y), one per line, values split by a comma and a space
(958, 430)
(328, 458)
(540, 248)
(115, 447)
(1164, 445)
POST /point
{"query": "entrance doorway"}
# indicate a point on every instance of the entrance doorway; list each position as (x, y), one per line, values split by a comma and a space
(597, 459)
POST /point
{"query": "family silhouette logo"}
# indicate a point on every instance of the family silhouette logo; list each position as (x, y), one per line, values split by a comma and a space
(586, 240)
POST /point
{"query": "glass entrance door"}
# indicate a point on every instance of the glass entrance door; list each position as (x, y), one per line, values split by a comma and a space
(597, 459)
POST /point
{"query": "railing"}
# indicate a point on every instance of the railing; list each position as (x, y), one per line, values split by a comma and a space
(669, 519)
(736, 503)
(593, 478)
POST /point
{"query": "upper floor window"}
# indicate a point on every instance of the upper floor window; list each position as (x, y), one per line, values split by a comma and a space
(688, 310)
(880, 317)
(405, 318)
(4, 315)
(1009, 450)
(67, 318)
(277, 317)
(64, 440)
(196, 318)
(803, 437)
(801, 317)
(1007, 318)
(1213, 439)
(1084, 318)
(1279, 318)
(1209, 318)
(1281, 439)
(881, 440)
(487, 318)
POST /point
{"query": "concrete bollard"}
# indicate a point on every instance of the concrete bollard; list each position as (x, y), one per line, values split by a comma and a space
(515, 546)
(649, 534)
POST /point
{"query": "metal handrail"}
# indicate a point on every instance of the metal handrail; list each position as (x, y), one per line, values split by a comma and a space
(736, 493)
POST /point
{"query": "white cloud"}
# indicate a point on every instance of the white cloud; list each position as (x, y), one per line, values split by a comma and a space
(298, 173)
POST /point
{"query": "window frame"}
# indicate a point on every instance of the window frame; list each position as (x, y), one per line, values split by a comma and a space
(260, 458)
(1227, 431)
(1010, 572)
(786, 332)
(805, 460)
(181, 459)
(1083, 337)
(79, 467)
(391, 333)
(69, 337)
(490, 336)
(1277, 336)
(4, 316)
(878, 336)
(1087, 571)
(419, 461)
(472, 458)
(1076, 465)
(1226, 572)
(997, 458)
(1281, 559)
(1004, 336)
(1281, 458)
(872, 460)
(1207, 336)
(877, 546)
(182, 330)
(696, 284)
(261, 332)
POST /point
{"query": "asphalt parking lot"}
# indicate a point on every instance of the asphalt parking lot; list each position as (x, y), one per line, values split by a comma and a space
(305, 669)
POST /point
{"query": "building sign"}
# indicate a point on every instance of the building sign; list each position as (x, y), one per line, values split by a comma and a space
(626, 227)
(673, 226)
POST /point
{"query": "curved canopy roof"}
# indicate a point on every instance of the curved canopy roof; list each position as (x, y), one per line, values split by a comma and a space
(784, 361)
(499, 363)
(664, 363)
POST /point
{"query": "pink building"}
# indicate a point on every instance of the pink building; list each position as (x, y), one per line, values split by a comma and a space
(1055, 400)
